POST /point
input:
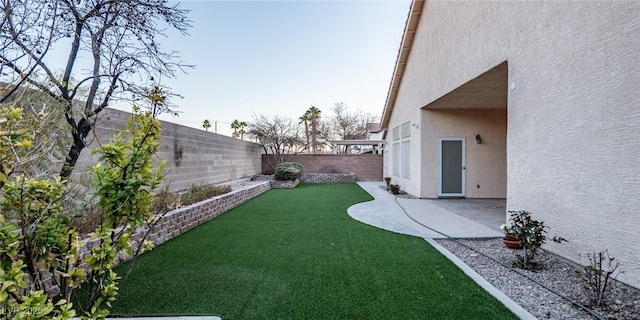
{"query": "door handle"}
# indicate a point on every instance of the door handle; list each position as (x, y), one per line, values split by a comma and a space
(464, 168)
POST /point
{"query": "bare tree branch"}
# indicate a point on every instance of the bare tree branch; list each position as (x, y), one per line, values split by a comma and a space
(121, 38)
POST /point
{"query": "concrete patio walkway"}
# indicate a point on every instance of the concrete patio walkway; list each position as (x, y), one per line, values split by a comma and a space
(457, 218)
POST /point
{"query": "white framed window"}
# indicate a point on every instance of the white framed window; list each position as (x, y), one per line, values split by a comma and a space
(396, 159)
(405, 129)
(396, 133)
(405, 156)
(401, 150)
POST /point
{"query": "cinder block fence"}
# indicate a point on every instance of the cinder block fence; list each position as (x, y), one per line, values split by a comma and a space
(365, 167)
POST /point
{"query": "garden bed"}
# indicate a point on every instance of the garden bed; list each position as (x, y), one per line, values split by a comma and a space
(178, 221)
(557, 273)
(313, 178)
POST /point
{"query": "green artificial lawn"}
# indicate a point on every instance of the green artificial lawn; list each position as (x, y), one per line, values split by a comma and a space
(296, 254)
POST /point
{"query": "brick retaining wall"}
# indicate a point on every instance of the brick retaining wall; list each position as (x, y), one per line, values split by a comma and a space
(183, 219)
(310, 178)
(180, 220)
(174, 223)
(328, 178)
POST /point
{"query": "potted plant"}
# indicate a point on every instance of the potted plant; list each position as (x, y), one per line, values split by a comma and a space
(531, 235)
(510, 240)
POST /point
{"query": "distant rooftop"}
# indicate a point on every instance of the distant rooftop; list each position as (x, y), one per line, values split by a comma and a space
(373, 127)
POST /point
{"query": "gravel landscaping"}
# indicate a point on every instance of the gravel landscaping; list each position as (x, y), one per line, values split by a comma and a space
(557, 273)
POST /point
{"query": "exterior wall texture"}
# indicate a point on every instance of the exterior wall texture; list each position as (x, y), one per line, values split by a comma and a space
(573, 113)
(366, 167)
(486, 163)
(193, 156)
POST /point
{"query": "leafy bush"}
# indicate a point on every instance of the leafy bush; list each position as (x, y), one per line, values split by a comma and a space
(597, 277)
(197, 193)
(86, 221)
(164, 200)
(531, 234)
(288, 171)
(91, 216)
(35, 233)
(167, 200)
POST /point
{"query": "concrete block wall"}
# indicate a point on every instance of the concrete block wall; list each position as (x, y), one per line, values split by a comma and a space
(193, 156)
(365, 167)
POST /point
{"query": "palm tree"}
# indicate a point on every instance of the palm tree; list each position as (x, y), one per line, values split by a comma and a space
(206, 124)
(305, 119)
(234, 125)
(314, 116)
(238, 128)
(242, 125)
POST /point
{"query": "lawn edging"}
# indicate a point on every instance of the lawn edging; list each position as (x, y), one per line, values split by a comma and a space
(518, 310)
(178, 221)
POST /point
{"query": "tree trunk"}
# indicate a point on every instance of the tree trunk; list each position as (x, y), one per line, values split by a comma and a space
(313, 134)
(306, 131)
(84, 127)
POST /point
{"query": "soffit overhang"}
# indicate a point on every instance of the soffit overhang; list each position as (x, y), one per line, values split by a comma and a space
(401, 60)
(486, 91)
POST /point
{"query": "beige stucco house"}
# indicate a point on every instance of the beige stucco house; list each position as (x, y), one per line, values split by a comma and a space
(537, 102)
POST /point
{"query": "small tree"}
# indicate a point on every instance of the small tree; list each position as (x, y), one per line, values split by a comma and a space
(278, 136)
(348, 125)
(118, 39)
(35, 235)
(531, 233)
(597, 277)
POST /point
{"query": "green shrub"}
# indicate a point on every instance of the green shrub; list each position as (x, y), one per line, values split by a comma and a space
(164, 200)
(288, 171)
(197, 193)
(597, 277)
(167, 200)
(531, 234)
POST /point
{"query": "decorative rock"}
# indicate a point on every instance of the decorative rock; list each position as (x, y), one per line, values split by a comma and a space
(557, 273)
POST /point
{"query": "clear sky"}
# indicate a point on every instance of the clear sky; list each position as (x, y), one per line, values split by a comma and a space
(281, 57)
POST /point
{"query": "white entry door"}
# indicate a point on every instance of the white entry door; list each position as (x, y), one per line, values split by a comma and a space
(451, 167)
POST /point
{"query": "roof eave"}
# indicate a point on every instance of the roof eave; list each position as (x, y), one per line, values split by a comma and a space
(401, 60)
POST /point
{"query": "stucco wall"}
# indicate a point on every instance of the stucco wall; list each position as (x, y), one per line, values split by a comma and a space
(486, 163)
(193, 156)
(413, 183)
(573, 133)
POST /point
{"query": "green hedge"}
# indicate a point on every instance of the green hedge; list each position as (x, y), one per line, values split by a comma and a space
(288, 171)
